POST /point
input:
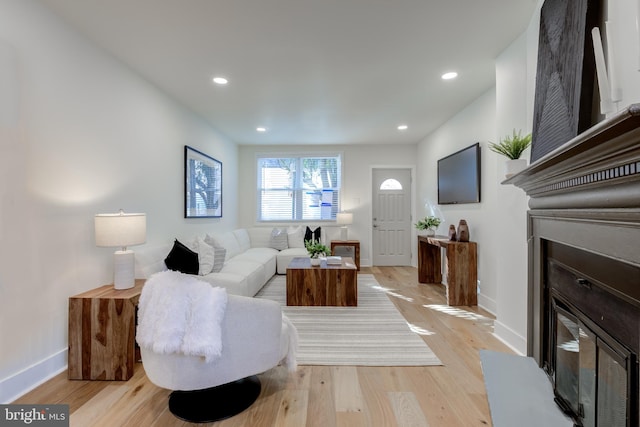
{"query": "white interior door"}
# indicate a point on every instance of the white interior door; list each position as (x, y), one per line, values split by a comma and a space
(391, 217)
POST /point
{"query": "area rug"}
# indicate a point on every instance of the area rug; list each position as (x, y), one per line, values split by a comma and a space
(372, 334)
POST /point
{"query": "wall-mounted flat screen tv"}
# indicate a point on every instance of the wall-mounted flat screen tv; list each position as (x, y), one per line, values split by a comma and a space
(459, 177)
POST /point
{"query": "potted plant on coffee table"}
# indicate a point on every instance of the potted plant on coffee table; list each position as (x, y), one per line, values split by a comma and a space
(512, 148)
(428, 223)
(316, 250)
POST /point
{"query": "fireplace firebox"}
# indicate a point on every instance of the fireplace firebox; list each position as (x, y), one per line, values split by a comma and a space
(591, 335)
(584, 271)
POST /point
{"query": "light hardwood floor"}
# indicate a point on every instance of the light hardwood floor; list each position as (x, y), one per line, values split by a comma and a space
(326, 396)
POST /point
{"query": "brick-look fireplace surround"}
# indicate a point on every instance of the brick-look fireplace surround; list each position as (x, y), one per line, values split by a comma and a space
(584, 270)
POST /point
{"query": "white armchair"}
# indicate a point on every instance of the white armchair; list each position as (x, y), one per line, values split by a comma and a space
(255, 338)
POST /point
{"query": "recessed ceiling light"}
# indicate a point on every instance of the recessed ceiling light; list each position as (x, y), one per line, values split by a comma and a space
(449, 75)
(261, 129)
(403, 127)
(220, 80)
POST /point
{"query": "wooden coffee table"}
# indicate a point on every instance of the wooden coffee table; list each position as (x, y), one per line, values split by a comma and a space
(326, 285)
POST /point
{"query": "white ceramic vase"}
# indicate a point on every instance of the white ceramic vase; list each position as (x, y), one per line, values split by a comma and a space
(315, 262)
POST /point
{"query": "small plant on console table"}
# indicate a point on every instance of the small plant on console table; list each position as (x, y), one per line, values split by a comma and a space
(316, 249)
(428, 223)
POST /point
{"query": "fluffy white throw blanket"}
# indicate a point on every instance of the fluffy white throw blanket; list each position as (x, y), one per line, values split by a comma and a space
(178, 313)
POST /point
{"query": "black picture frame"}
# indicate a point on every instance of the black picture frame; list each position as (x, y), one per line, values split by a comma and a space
(202, 185)
(565, 75)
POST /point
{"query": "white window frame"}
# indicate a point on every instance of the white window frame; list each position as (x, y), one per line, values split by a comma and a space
(298, 189)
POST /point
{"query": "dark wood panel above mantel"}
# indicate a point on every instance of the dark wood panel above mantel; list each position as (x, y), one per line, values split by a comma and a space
(599, 168)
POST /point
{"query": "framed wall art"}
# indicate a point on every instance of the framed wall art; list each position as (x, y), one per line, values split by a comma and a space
(203, 185)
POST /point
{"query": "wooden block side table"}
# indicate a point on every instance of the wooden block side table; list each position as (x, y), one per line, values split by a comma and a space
(102, 327)
(347, 248)
(325, 285)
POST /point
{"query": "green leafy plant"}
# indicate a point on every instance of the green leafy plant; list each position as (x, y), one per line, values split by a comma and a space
(428, 222)
(512, 146)
(316, 249)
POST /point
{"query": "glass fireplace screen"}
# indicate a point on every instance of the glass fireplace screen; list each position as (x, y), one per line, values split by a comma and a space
(591, 379)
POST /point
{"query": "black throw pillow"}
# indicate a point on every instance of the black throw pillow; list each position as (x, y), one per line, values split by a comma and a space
(182, 259)
(313, 235)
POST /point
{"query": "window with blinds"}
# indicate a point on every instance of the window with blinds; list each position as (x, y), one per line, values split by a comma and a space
(298, 188)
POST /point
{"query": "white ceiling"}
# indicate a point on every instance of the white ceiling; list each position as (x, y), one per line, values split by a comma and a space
(311, 71)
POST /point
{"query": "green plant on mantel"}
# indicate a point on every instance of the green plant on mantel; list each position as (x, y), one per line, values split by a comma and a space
(428, 222)
(315, 248)
(512, 146)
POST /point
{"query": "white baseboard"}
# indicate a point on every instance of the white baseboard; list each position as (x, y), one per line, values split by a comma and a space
(487, 303)
(512, 339)
(11, 388)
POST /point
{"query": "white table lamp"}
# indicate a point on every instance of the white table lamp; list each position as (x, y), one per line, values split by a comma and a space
(121, 230)
(344, 219)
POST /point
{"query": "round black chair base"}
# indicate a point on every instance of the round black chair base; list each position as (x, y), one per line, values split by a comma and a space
(215, 403)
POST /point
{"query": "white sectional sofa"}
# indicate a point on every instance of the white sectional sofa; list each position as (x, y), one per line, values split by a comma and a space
(250, 260)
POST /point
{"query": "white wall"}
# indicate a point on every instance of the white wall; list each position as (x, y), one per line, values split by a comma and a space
(513, 111)
(356, 195)
(623, 16)
(476, 123)
(498, 223)
(80, 134)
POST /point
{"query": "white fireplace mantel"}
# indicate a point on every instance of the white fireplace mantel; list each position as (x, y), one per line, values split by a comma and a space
(599, 168)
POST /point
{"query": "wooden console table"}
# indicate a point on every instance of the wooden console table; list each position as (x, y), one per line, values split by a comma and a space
(462, 267)
(102, 325)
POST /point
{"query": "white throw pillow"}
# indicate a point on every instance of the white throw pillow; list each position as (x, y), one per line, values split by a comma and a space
(218, 261)
(211, 241)
(206, 255)
(225, 240)
(279, 239)
(295, 237)
(220, 254)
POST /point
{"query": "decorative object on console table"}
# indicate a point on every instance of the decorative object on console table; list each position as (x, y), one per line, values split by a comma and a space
(428, 224)
(347, 248)
(463, 231)
(344, 219)
(452, 233)
(462, 268)
(203, 185)
(121, 230)
(102, 330)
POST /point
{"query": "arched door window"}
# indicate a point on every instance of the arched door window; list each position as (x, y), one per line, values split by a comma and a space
(390, 184)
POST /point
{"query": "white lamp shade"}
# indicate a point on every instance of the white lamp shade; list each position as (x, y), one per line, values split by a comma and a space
(344, 218)
(121, 229)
